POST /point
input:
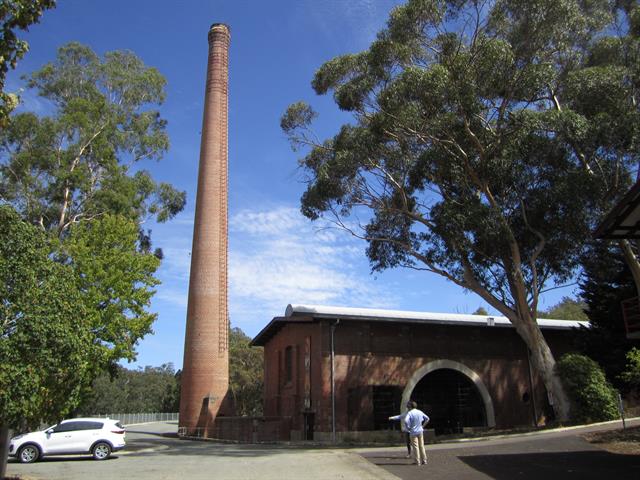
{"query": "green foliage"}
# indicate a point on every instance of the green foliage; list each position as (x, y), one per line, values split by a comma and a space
(46, 345)
(593, 398)
(144, 390)
(76, 174)
(246, 374)
(605, 282)
(462, 141)
(79, 163)
(116, 279)
(15, 15)
(631, 374)
(481, 311)
(486, 141)
(567, 309)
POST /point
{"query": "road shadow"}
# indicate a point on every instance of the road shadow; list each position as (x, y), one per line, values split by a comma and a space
(585, 465)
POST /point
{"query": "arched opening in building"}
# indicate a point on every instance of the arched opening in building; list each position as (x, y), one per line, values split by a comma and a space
(451, 399)
(452, 394)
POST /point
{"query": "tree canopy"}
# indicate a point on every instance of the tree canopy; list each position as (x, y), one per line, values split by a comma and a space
(246, 374)
(83, 160)
(15, 15)
(76, 175)
(143, 390)
(567, 309)
(157, 389)
(486, 138)
(605, 282)
(116, 278)
(46, 343)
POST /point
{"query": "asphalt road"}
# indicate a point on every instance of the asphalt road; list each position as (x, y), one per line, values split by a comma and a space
(153, 452)
(543, 456)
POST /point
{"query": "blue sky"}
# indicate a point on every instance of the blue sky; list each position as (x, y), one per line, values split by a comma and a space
(276, 255)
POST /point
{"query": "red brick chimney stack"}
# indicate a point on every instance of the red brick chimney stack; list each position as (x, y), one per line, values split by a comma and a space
(205, 372)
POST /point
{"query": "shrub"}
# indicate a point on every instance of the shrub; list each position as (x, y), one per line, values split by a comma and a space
(631, 374)
(592, 398)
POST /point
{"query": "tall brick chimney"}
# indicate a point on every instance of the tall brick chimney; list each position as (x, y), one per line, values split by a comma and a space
(205, 372)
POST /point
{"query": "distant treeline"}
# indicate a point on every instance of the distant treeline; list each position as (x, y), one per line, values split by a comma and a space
(157, 389)
(143, 390)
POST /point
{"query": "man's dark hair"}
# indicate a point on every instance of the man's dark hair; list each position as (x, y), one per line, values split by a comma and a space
(412, 404)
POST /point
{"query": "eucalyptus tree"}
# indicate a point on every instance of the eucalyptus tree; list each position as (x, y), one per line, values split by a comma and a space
(15, 15)
(83, 160)
(485, 140)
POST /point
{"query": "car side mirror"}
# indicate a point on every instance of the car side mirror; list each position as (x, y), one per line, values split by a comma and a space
(49, 432)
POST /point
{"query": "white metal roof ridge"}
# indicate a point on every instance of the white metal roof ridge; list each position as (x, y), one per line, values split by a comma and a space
(429, 317)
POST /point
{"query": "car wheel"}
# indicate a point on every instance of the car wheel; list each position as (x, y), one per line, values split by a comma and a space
(28, 454)
(101, 451)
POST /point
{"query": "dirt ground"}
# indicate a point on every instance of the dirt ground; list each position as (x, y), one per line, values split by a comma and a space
(625, 442)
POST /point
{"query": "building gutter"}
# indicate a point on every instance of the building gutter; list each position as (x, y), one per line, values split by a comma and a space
(333, 381)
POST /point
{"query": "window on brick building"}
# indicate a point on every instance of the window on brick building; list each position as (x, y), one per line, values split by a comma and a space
(386, 402)
(288, 364)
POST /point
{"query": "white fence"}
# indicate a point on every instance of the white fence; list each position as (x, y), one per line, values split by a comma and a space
(133, 418)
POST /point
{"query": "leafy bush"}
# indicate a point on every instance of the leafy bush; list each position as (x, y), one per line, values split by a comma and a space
(631, 374)
(592, 397)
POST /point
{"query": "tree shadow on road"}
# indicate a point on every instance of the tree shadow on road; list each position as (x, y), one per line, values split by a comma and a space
(585, 465)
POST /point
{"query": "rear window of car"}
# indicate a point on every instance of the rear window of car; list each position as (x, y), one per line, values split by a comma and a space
(91, 425)
(119, 425)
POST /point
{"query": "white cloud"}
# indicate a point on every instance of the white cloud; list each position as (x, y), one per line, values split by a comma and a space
(361, 18)
(279, 257)
(276, 257)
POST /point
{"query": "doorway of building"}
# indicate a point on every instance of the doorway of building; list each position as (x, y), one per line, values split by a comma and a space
(308, 424)
(451, 399)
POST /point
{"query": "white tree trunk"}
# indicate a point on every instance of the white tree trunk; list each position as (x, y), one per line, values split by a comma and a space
(528, 329)
(545, 364)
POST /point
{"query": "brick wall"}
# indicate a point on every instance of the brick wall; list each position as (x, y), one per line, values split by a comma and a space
(369, 354)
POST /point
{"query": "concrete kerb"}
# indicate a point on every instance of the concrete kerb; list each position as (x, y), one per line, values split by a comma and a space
(631, 422)
(635, 421)
(615, 424)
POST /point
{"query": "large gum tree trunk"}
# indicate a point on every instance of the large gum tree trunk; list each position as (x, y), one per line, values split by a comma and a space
(545, 364)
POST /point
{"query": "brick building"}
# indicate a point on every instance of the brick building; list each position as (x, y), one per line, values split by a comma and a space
(343, 371)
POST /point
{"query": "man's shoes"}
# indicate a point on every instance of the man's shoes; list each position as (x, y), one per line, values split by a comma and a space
(424, 462)
(408, 455)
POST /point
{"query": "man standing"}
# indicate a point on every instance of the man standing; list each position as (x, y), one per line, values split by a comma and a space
(415, 421)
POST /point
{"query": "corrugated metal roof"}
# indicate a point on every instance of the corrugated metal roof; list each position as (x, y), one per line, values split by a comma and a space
(324, 311)
(307, 313)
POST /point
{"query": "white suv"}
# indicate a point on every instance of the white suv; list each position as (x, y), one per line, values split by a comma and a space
(97, 436)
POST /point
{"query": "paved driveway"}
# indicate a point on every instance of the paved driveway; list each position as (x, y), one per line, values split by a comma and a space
(153, 453)
(150, 455)
(548, 456)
